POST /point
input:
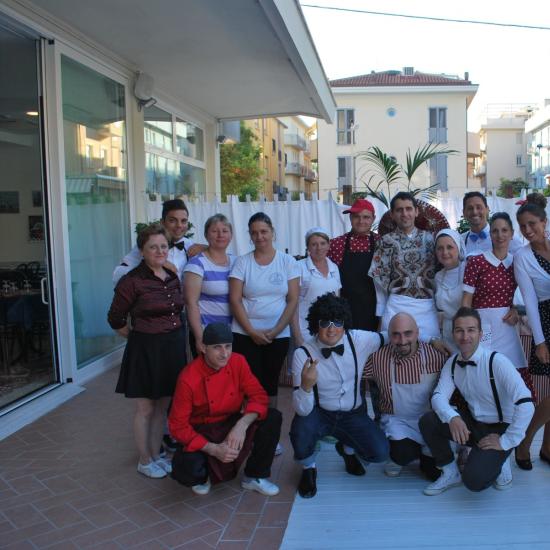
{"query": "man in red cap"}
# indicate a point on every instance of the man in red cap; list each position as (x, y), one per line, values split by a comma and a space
(352, 253)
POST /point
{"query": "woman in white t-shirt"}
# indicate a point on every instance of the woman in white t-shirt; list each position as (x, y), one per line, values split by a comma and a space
(318, 275)
(263, 293)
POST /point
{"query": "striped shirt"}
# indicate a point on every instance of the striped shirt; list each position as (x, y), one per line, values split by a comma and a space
(214, 296)
(408, 370)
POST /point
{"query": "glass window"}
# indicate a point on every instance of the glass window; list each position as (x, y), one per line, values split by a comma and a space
(345, 119)
(94, 116)
(189, 140)
(158, 128)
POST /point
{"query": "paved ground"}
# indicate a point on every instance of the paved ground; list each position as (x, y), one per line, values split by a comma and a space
(381, 513)
(69, 481)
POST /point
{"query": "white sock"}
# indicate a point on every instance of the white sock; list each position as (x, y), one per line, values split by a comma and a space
(348, 450)
(312, 465)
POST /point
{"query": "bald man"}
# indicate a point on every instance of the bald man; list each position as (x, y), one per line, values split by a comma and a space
(406, 371)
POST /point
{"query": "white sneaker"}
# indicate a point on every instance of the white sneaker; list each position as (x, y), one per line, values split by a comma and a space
(261, 485)
(450, 477)
(202, 488)
(391, 469)
(279, 450)
(165, 463)
(504, 479)
(152, 470)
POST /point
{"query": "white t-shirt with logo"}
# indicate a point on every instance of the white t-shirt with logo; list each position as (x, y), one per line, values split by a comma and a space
(265, 288)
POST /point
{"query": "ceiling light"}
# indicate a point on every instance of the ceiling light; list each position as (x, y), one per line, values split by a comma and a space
(32, 113)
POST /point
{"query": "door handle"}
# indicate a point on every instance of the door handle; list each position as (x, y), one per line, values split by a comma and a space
(43, 290)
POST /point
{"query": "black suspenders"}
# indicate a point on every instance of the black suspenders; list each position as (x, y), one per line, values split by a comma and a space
(356, 384)
(491, 380)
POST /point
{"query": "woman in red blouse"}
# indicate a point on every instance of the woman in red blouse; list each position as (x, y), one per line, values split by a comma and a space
(489, 286)
(155, 352)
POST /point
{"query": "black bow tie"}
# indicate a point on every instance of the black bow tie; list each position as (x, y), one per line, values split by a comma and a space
(179, 246)
(466, 363)
(336, 349)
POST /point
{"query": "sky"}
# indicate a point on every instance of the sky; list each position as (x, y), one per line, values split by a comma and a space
(510, 65)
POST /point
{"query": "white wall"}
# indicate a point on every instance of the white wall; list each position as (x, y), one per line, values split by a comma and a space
(407, 129)
(502, 148)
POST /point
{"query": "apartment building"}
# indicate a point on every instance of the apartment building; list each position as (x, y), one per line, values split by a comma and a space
(396, 111)
(537, 129)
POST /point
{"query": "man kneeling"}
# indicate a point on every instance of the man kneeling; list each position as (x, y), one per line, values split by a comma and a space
(499, 408)
(207, 418)
(327, 396)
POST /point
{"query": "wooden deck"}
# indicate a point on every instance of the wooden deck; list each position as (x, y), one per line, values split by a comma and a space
(376, 512)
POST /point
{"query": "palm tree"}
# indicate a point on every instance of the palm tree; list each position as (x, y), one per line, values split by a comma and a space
(384, 169)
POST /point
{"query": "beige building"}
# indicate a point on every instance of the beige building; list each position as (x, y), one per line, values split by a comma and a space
(269, 133)
(503, 145)
(299, 174)
(396, 111)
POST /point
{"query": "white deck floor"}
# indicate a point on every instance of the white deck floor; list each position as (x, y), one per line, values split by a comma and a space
(376, 512)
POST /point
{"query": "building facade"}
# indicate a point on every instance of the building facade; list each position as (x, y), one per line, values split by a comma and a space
(537, 129)
(95, 119)
(396, 111)
(503, 146)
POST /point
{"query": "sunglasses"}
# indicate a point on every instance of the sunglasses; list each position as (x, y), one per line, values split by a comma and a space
(336, 323)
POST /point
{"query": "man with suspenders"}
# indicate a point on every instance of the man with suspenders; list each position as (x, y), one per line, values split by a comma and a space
(327, 394)
(499, 409)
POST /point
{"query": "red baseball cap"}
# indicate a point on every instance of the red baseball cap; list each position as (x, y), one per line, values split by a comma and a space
(359, 205)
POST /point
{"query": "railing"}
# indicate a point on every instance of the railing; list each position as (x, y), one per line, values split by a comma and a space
(295, 169)
(310, 175)
(295, 140)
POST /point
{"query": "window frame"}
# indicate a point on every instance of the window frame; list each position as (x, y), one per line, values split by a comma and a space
(347, 132)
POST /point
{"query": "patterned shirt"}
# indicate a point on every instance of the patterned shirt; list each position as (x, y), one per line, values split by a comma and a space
(357, 243)
(490, 280)
(154, 305)
(403, 264)
(408, 370)
(214, 296)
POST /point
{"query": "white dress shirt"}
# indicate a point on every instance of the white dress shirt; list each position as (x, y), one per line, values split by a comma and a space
(534, 283)
(336, 375)
(474, 384)
(486, 245)
(134, 257)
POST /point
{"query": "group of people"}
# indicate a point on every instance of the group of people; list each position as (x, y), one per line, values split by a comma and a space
(414, 316)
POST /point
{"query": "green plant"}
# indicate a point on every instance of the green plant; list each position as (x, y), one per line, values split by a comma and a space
(463, 225)
(382, 168)
(511, 188)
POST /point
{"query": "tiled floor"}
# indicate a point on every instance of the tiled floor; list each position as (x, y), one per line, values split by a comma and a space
(69, 481)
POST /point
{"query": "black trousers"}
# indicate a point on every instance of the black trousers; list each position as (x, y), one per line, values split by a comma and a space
(404, 451)
(483, 466)
(192, 468)
(265, 361)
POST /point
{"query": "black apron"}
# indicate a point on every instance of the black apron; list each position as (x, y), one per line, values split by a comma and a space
(358, 287)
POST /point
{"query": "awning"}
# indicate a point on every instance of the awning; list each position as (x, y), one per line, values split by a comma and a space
(231, 59)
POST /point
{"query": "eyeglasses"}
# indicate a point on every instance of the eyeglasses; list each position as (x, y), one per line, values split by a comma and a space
(336, 323)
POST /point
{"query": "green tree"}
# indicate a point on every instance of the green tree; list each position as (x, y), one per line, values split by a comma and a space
(239, 166)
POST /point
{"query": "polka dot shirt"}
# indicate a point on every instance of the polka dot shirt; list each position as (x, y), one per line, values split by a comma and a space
(357, 243)
(491, 280)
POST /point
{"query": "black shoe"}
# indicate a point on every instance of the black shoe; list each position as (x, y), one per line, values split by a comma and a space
(307, 488)
(544, 458)
(170, 445)
(523, 463)
(353, 466)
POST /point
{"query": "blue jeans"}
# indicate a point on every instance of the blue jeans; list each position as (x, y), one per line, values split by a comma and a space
(352, 428)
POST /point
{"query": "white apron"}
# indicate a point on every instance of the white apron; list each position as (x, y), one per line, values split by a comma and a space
(410, 402)
(500, 336)
(422, 309)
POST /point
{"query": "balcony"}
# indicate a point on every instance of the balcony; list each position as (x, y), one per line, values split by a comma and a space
(480, 171)
(296, 141)
(295, 169)
(310, 175)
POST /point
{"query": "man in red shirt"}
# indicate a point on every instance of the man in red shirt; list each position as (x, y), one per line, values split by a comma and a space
(352, 253)
(220, 416)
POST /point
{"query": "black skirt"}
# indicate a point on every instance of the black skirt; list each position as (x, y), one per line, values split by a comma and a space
(151, 364)
(535, 366)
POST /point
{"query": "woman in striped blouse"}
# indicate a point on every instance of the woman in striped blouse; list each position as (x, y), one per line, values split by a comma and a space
(206, 281)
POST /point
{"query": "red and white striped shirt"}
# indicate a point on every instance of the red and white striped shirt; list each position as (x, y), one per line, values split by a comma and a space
(408, 370)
